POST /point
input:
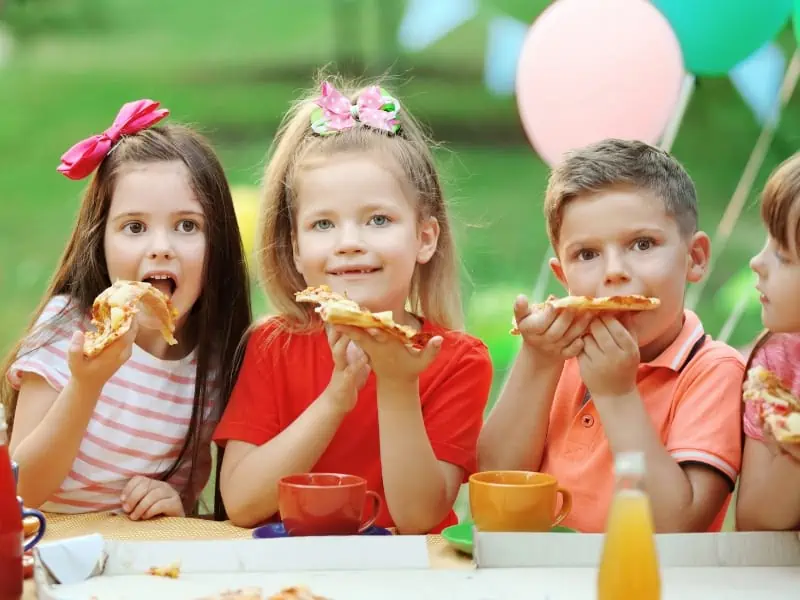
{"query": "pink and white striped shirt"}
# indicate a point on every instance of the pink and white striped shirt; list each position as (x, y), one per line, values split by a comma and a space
(138, 426)
(781, 355)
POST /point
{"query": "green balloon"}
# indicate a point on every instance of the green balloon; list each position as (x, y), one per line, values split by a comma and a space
(716, 35)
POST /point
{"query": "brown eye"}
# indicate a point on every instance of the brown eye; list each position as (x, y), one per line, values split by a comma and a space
(134, 227)
(187, 226)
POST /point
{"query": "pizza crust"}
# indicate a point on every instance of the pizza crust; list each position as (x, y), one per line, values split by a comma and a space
(631, 303)
(336, 309)
(114, 308)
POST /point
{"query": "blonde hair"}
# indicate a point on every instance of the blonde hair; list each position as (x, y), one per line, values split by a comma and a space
(435, 288)
(614, 162)
(780, 204)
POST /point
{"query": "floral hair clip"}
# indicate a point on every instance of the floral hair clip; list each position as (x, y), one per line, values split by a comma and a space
(85, 156)
(374, 108)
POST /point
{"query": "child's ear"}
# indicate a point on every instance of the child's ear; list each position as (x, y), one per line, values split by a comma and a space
(699, 257)
(428, 237)
(558, 271)
(296, 256)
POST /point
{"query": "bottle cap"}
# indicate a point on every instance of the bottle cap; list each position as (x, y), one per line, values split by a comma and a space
(629, 463)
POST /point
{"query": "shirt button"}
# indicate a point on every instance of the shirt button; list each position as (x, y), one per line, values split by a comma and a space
(587, 420)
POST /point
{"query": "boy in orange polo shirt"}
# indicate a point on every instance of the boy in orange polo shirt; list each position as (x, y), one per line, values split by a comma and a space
(622, 218)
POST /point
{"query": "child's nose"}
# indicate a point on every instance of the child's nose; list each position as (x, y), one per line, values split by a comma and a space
(616, 271)
(349, 240)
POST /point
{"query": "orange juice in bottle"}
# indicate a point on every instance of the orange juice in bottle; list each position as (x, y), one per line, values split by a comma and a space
(629, 562)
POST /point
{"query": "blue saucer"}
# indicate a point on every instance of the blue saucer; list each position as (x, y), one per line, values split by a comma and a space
(276, 530)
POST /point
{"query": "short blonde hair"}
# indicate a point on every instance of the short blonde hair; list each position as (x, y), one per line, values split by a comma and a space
(435, 288)
(780, 204)
(614, 162)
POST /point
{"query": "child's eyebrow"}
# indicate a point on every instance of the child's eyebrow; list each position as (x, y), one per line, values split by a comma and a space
(129, 215)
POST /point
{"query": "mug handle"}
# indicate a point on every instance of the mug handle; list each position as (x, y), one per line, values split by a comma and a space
(32, 512)
(566, 505)
(377, 503)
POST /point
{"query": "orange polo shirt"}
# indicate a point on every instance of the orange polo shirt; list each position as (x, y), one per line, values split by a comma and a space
(693, 401)
(283, 373)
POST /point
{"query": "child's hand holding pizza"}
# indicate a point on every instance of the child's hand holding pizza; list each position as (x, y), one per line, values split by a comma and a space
(610, 358)
(94, 372)
(554, 335)
(389, 357)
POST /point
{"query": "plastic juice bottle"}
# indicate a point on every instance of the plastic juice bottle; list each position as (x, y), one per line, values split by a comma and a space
(629, 562)
(10, 523)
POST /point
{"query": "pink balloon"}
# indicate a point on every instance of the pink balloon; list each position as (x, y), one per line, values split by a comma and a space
(592, 69)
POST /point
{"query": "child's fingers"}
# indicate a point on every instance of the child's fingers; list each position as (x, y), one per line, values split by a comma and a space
(353, 353)
(156, 494)
(75, 349)
(573, 349)
(169, 507)
(133, 492)
(339, 351)
(521, 308)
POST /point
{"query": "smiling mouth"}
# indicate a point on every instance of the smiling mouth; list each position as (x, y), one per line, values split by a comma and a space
(163, 283)
(354, 271)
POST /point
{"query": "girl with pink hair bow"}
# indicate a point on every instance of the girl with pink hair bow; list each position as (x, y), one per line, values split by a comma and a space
(129, 430)
(352, 200)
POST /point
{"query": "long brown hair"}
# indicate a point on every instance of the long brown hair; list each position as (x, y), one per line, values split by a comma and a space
(219, 317)
(435, 290)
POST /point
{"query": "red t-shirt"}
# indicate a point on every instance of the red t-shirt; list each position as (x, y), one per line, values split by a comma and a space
(283, 373)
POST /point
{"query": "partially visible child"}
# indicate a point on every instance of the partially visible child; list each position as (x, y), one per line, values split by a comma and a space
(353, 201)
(622, 218)
(130, 429)
(769, 488)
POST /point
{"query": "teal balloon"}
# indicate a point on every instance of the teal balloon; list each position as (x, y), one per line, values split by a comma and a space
(716, 35)
(489, 317)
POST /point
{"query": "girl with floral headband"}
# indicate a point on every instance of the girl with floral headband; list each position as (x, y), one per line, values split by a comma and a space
(130, 428)
(353, 201)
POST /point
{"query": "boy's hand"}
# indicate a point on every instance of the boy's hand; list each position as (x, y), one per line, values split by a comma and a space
(96, 371)
(553, 335)
(610, 358)
(144, 498)
(350, 371)
(389, 357)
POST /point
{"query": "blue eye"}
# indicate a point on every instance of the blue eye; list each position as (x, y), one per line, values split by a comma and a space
(322, 225)
(380, 220)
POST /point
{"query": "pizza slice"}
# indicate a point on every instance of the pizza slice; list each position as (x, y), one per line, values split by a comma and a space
(114, 308)
(630, 303)
(337, 309)
(778, 407)
(171, 571)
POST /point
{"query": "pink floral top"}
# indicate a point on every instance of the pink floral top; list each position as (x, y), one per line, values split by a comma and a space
(781, 355)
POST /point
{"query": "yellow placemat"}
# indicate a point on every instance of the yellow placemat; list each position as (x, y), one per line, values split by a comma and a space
(120, 527)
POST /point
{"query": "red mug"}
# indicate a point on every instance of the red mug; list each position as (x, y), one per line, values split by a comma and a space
(325, 504)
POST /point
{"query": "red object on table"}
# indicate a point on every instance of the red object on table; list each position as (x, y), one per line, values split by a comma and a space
(10, 524)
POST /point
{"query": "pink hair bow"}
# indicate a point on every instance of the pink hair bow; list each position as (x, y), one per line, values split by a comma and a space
(85, 156)
(374, 108)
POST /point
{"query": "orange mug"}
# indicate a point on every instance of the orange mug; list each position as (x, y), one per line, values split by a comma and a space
(516, 501)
